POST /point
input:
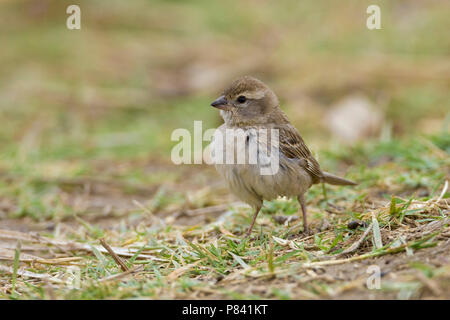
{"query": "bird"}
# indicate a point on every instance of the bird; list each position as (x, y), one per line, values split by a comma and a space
(250, 107)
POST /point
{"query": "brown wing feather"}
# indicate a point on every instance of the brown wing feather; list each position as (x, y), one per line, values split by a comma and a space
(293, 146)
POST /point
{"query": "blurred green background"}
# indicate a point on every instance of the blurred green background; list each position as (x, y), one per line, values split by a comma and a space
(102, 101)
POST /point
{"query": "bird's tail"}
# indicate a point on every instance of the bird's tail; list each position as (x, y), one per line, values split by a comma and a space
(332, 179)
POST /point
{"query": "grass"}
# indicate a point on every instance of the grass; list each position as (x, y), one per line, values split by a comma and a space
(210, 260)
(85, 151)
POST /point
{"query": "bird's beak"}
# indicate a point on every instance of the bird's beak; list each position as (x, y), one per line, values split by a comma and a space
(221, 103)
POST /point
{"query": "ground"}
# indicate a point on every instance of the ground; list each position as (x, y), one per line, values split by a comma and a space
(195, 247)
(85, 143)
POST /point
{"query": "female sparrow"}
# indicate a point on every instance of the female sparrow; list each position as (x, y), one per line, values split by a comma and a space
(251, 111)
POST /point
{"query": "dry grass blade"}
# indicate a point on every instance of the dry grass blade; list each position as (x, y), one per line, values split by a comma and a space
(7, 254)
(356, 244)
(444, 190)
(122, 275)
(116, 258)
(367, 255)
(435, 225)
(16, 266)
(70, 245)
(16, 235)
(180, 271)
(29, 274)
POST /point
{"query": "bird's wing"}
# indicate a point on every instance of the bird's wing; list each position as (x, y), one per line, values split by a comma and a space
(293, 146)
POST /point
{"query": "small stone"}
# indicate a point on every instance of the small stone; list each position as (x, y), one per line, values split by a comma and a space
(354, 224)
(353, 119)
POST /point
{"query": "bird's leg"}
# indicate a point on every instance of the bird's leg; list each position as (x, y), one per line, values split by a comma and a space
(301, 200)
(249, 231)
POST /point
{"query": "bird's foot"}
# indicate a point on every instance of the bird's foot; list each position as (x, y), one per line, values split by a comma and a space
(307, 232)
(248, 233)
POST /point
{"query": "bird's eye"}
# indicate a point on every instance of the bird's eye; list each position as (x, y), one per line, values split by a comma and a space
(241, 99)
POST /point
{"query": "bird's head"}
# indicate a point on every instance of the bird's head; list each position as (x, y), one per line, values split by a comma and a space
(246, 100)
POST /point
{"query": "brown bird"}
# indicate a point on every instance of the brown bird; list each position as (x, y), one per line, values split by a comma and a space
(251, 111)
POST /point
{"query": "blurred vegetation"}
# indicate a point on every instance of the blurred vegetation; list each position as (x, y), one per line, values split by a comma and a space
(137, 70)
